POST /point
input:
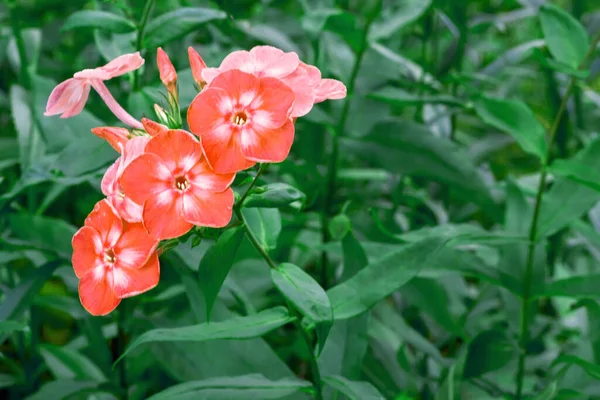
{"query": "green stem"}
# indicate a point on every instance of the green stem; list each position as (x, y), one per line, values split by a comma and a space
(335, 150)
(261, 169)
(140, 37)
(528, 273)
(314, 367)
(121, 344)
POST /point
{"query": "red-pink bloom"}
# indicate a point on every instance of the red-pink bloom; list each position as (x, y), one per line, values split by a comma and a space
(168, 75)
(69, 97)
(242, 119)
(197, 64)
(116, 137)
(266, 61)
(125, 207)
(177, 187)
(113, 260)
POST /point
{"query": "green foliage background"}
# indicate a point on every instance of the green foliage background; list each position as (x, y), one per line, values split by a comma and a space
(435, 234)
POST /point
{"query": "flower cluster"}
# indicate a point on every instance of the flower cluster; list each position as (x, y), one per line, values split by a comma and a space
(168, 180)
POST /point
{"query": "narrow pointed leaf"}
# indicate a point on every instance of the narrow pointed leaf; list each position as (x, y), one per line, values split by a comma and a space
(99, 20)
(590, 368)
(236, 328)
(274, 195)
(354, 390)
(216, 263)
(380, 278)
(307, 296)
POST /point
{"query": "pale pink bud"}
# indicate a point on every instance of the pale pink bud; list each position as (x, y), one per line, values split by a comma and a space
(168, 76)
(116, 137)
(153, 128)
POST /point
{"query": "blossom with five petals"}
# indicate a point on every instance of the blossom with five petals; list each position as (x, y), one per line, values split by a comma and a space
(113, 260)
(177, 187)
(125, 207)
(267, 61)
(242, 119)
(70, 96)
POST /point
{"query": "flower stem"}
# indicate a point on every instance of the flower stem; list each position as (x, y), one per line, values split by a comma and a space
(332, 168)
(140, 37)
(314, 367)
(528, 273)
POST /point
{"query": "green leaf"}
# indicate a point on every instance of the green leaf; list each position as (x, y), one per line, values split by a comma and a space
(98, 20)
(576, 171)
(236, 328)
(175, 24)
(17, 300)
(402, 13)
(591, 369)
(62, 389)
(7, 327)
(568, 200)
(247, 387)
(549, 393)
(274, 195)
(307, 296)
(65, 363)
(407, 148)
(31, 144)
(380, 278)
(575, 287)
(565, 37)
(489, 351)
(216, 263)
(398, 97)
(339, 226)
(265, 224)
(353, 389)
(515, 118)
(45, 233)
(593, 317)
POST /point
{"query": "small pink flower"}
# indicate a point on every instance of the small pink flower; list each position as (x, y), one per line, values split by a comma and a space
(69, 97)
(197, 64)
(127, 209)
(267, 61)
(116, 137)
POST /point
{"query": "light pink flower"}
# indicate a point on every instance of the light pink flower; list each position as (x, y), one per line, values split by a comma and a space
(69, 97)
(125, 207)
(267, 61)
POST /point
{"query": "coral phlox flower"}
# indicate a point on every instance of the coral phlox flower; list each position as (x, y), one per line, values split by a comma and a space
(267, 61)
(177, 187)
(113, 260)
(70, 96)
(125, 207)
(242, 119)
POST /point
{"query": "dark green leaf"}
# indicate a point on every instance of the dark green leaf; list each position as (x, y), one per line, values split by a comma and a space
(274, 195)
(339, 226)
(174, 24)
(7, 327)
(247, 387)
(489, 351)
(265, 223)
(591, 369)
(516, 119)
(65, 363)
(45, 233)
(307, 296)
(99, 20)
(380, 278)
(575, 286)
(20, 298)
(62, 389)
(216, 263)
(353, 389)
(403, 12)
(565, 36)
(549, 393)
(236, 328)
(399, 97)
(31, 145)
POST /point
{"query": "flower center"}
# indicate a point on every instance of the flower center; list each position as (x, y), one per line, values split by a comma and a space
(109, 256)
(239, 118)
(181, 183)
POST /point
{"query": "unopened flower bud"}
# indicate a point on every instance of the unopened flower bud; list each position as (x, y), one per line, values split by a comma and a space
(161, 114)
(116, 137)
(168, 76)
(197, 64)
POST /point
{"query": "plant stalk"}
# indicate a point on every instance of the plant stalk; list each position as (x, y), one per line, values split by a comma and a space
(332, 168)
(528, 273)
(140, 37)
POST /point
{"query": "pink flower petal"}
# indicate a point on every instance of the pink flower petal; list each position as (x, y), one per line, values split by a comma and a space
(106, 222)
(119, 66)
(267, 145)
(163, 215)
(203, 177)
(145, 177)
(68, 98)
(134, 247)
(131, 282)
(96, 293)
(329, 89)
(273, 62)
(178, 150)
(207, 209)
(88, 251)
